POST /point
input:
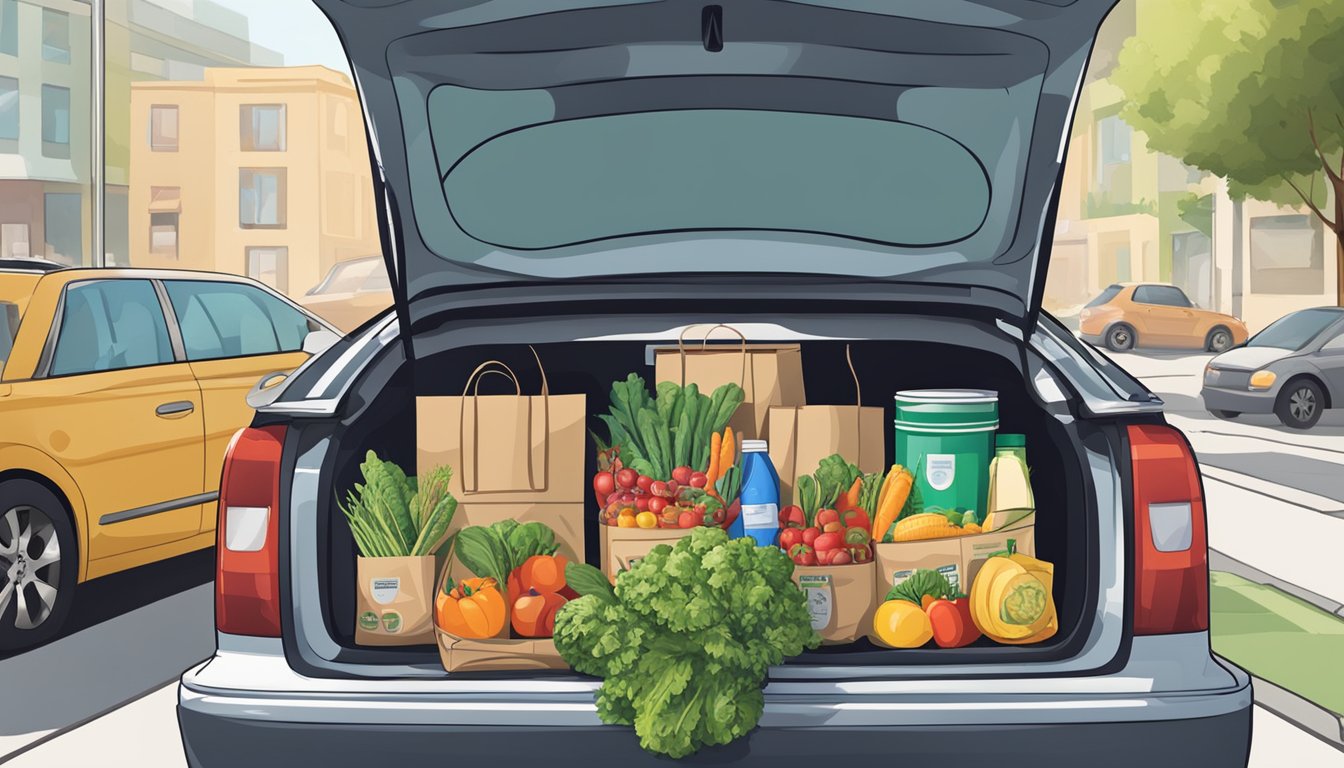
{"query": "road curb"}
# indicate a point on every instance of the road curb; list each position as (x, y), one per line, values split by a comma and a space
(1316, 720)
(1221, 562)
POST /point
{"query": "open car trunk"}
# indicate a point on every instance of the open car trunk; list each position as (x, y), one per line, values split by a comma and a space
(892, 353)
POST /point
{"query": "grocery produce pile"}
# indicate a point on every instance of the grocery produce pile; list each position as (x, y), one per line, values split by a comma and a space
(523, 558)
(672, 460)
(685, 638)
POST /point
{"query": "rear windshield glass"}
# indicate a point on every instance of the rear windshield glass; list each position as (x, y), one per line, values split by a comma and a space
(1110, 293)
(1295, 331)
(579, 181)
(9, 328)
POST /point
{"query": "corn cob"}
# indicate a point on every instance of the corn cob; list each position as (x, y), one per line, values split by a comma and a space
(929, 525)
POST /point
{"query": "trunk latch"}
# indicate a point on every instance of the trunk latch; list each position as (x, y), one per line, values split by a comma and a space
(711, 28)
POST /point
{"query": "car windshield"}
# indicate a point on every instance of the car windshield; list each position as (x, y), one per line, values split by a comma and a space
(1105, 296)
(1295, 331)
(347, 277)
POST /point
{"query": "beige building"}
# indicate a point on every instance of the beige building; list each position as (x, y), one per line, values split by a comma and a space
(261, 171)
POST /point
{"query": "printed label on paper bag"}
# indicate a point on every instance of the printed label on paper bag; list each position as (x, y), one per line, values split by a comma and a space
(820, 598)
(392, 621)
(760, 515)
(385, 590)
(368, 621)
(941, 470)
(951, 572)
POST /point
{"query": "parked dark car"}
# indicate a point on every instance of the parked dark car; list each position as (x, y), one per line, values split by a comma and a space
(1293, 369)
(591, 178)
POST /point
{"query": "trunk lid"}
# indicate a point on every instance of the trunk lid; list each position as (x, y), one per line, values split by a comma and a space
(909, 146)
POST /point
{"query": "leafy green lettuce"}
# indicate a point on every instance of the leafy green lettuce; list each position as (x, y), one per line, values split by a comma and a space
(684, 640)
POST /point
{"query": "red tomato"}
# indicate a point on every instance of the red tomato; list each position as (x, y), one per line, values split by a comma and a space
(790, 536)
(824, 556)
(952, 624)
(810, 535)
(642, 503)
(792, 517)
(659, 488)
(809, 558)
(827, 541)
(644, 482)
(657, 504)
(689, 519)
(603, 484)
(840, 557)
(699, 480)
(826, 516)
(627, 478)
(682, 475)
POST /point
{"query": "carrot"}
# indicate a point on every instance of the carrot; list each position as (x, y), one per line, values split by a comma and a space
(728, 458)
(712, 473)
(852, 496)
(895, 490)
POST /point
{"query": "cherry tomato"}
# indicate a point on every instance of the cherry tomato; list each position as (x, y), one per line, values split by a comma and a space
(642, 503)
(627, 478)
(699, 480)
(790, 536)
(682, 475)
(689, 519)
(657, 504)
(603, 484)
(645, 483)
(659, 488)
(810, 535)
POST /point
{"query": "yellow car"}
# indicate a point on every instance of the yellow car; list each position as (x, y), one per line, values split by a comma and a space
(120, 390)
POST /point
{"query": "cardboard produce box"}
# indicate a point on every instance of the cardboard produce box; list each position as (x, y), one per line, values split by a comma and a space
(394, 601)
(621, 548)
(958, 558)
(841, 599)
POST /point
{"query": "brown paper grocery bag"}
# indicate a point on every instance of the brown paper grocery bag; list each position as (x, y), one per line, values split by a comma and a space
(801, 436)
(502, 653)
(840, 598)
(621, 548)
(513, 448)
(769, 374)
(395, 600)
(959, 558)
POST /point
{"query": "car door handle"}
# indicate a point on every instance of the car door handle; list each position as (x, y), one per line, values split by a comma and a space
(175, 408)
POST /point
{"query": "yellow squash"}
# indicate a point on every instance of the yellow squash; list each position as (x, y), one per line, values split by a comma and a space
(1011, 599)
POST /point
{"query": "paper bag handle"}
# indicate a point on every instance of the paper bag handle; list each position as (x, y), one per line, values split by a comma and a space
(470, 466)
(704, 344)
(858, 407)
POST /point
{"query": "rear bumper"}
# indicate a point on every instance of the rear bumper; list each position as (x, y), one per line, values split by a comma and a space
(1172, 704)
(1221, 741)
(1241, 401)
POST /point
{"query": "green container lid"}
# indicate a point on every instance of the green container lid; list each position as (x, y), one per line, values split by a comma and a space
(1010, 440)
(947, 411)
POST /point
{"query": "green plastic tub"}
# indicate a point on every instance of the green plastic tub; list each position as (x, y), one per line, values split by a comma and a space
(946, 438)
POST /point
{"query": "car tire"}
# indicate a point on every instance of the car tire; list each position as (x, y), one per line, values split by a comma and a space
(1219, 340)
(39, 577)
(1299, 404)
(1121, 337)
(1224, 414)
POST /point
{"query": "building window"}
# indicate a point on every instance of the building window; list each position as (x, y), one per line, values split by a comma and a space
(261, 198)
(163, 128)
(55, 121)
(1287, 255)
(165, 211)
(63, 220)
(55, 36)
(9, 27)
(9, 108)
(340, 126)
(269, 266)
(262, 127)
(1113, 136)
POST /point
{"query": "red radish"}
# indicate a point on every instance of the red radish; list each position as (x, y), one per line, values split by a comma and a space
(789, 537)
(810, 535)
(689, 519)
(657, 504)
(699, 480)
(682, 475)
(627, 478)
(828, 541)
(603, 484)
(841, 557)
(645, 483)
(659, 488)
(642, 503)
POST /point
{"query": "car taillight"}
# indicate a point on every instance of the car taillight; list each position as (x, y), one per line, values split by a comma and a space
(247, 578)
(1171, 568)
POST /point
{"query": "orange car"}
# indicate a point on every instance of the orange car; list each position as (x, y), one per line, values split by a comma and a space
(1126, 315)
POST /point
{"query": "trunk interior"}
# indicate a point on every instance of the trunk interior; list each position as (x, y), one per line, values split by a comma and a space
(1065, 529)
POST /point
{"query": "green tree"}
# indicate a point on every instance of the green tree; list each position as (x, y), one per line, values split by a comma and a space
(1249, 90)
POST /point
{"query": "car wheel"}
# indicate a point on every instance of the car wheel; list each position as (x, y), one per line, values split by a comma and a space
(39, 563)
(1120, 338)
(1300, 404)
(1220, 340)
(1224, 414)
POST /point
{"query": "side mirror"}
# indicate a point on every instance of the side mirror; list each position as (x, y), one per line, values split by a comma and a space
(319, 341)
(267, 389)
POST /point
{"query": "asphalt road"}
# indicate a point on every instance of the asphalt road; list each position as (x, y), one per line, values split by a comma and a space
(104, 693)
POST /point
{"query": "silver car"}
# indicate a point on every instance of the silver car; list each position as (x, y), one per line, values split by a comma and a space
(591, 177)
(1293, 369)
